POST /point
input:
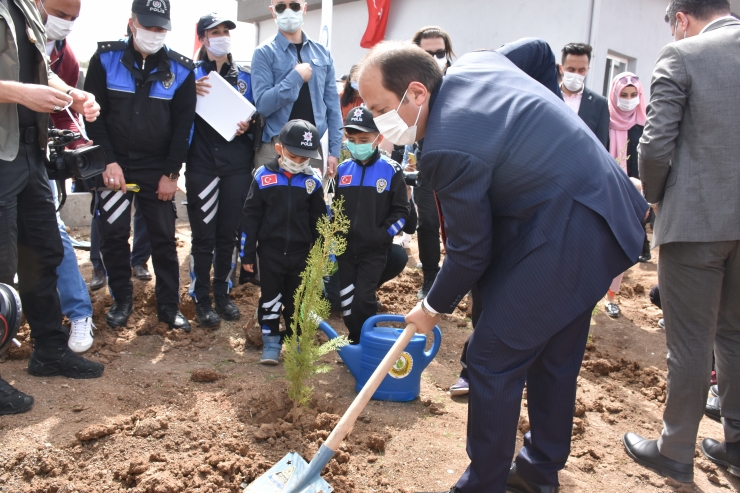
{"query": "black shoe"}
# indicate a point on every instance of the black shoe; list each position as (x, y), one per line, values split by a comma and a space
(723, 454)
(205, 315)
(712, 409)
(170, 315)
(517, 484)
(612, 309)
(98, 279)
(644, 258)
(225, 307)
(118, 314)
(429, 277)
(646, 453)
(142, 273)
(60, 360)
(13, 401)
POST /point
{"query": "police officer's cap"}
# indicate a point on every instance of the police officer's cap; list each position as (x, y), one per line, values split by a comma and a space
(212, 20)
(301, 138)
(153, 13)
(361, 119)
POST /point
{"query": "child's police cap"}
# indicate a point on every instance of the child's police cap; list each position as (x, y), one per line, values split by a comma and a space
(152, 13)
(301, 138)
(361, 119)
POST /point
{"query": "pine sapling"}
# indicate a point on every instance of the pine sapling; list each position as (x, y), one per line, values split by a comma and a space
(302, 353)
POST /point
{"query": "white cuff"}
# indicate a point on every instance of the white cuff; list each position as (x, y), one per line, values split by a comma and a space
(426, 305)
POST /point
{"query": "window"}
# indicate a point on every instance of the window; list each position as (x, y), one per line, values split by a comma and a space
(615, 65)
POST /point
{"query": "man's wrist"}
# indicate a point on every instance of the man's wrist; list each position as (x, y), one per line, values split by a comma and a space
(428, 309)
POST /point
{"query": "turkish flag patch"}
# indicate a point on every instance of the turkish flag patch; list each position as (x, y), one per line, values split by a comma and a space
(346, 180)
(268, 180)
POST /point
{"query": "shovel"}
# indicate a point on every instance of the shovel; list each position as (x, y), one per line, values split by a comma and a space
(292, 474)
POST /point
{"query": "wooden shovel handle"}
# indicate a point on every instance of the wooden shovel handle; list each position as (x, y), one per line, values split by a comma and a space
(350, 416)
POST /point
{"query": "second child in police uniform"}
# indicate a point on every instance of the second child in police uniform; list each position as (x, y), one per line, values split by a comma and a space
(217, 177)
(147, 95)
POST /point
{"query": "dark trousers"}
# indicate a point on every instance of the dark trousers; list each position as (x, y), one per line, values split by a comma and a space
(428, 229)
(30, 243)
(141, 250)
(497, 375)
(474, 295)
(359, 277)
(280, 277)
(114, 209)
(214, 229)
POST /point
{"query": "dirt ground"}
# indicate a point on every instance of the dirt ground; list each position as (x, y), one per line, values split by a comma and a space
(196, 412)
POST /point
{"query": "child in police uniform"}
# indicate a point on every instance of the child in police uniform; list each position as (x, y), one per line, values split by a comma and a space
(281, 212)
(376, 203)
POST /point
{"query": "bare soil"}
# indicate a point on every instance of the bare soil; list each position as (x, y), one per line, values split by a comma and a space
(196, 412)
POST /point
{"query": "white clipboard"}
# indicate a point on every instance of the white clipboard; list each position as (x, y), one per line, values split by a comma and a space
(224, 107)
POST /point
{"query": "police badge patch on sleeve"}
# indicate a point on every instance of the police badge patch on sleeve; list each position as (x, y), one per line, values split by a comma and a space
(310, 186)
(381, 185)
(242, 87)
(167, 83)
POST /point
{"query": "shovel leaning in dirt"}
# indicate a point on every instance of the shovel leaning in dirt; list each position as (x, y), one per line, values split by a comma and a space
(292, 474)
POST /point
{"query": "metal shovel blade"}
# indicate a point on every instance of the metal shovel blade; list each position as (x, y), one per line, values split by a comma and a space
(286, 474)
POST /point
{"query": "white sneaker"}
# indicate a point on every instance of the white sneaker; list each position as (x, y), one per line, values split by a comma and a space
(81, 335)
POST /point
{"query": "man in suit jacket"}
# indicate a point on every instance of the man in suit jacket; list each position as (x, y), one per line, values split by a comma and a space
(689, 160)
(591, 107)
(523, 186)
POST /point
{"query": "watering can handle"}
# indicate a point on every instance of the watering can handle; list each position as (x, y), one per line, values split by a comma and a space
(350, 416)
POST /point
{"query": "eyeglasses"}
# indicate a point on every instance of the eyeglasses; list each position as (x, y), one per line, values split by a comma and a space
(294, 6)
(438, 54)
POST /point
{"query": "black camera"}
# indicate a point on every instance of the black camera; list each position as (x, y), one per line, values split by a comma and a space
(10, 316)
(83, 164)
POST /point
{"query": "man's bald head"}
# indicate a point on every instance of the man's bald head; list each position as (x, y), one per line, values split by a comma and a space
(68, 10)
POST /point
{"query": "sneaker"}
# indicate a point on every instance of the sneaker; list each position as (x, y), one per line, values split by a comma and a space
(661, 323)
(461, 387)
(142, 273)
(271, 350)
(612, 309)
(225, 307)
(81, 335)
(419, 265)
(98, 279)
(13, 401)
(60, 360)
(429, 277)
(404, 241)
(205, 315)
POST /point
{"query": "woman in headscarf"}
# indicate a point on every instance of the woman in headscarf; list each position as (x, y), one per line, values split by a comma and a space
(627, 111)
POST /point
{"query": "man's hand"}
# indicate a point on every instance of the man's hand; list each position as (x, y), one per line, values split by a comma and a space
(305, 70)
(202, 86)
(113, 177)
(85, 104)
(424, 323)
(166, 189)
(42, 99)
(243, 127)
(331, 165)
(248, 267)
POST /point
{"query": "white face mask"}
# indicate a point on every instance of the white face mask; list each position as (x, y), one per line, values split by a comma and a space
(57, 29)
(219, 46)
(292, 167)
(394, 129)
(149, 42)
(628, 104)
(290, 21)
(442, 62)
(573, 81)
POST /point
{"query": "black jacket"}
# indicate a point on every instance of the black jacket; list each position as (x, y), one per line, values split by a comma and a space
(594, 111)
(375, 202)
(281, 212)
(634, 135)
(146, 115)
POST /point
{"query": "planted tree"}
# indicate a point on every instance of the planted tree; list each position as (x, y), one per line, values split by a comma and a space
(302, 353)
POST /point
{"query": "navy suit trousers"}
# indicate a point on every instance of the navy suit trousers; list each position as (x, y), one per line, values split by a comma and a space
(497, 375)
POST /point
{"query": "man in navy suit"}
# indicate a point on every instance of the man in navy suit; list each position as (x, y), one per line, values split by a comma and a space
(535, 209)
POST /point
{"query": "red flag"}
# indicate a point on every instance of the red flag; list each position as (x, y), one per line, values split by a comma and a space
(377, 11)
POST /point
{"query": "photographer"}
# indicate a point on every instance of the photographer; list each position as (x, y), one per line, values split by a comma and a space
(148, 95)
(29, 238)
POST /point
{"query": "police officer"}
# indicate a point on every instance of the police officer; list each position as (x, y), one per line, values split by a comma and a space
(217, 172)
(148, 95)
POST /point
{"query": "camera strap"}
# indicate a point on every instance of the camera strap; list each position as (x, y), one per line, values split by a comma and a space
(74, 120)
(61, 193)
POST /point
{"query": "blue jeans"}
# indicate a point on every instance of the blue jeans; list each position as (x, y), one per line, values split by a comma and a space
(141, 250)
(72, 289)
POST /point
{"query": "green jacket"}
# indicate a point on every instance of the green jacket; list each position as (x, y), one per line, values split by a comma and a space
(9, 70)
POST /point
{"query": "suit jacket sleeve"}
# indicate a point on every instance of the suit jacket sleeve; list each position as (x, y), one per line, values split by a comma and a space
(667, 102)
(602, 129)
(461, 182)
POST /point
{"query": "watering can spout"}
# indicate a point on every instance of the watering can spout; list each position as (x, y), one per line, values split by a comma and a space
(351, 355)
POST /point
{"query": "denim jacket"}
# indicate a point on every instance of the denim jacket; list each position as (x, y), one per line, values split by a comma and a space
(276, 85)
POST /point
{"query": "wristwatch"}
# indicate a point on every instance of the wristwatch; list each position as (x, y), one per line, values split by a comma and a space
(427, 309)
(173, 176)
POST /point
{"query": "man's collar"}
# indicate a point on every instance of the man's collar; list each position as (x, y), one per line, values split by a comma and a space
(572, 94)
(283, 42)
(713, 25)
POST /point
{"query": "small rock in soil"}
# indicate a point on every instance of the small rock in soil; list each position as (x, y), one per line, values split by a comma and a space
(94, 432)
(376, 442)
(205, 375)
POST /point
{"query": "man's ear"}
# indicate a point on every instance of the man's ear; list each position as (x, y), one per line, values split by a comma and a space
(279, 150)
(419, 92)
(380, 139)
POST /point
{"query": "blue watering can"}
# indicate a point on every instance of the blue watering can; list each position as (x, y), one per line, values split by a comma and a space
(403, 381)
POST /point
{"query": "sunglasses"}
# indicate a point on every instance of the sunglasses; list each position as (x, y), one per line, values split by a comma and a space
(629, 79)
(438, 54)
(294, 6)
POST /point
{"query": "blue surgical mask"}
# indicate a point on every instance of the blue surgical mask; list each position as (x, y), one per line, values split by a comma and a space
(361, 152)
(289, 21)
